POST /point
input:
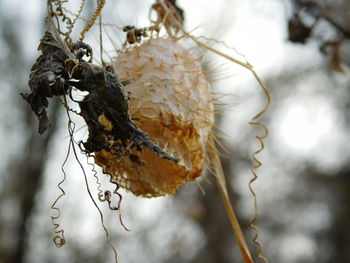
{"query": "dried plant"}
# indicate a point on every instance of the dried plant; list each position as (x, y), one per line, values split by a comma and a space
(150, 115)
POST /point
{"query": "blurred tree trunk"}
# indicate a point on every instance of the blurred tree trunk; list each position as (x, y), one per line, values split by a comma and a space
(220, 246)
(341, 227)
(337, 236)
(27, 176)
(24, 174)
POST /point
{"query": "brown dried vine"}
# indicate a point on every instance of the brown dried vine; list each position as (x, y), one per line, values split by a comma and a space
(91, 22)
(63, 68)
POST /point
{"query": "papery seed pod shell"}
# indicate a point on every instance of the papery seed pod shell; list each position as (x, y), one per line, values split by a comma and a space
(171, 100)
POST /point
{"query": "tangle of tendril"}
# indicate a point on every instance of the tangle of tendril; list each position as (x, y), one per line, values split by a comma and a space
(71, 129)
(58, 12)
(87, 20)
(91, 22)
(76, 16)
(104, 196)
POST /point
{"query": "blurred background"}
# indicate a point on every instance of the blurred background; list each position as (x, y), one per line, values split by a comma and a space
(301, 49)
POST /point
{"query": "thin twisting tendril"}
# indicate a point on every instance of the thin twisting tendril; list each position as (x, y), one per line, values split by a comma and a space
(71, 128)
(65, 105)
(101, 39)
(257, 166)
(250, 184)
(99, 185)
(225, 45)
(91, 22)
(117, 186)
(59, 238)
(100, 194)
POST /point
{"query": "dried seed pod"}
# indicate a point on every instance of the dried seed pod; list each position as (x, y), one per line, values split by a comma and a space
(171, 100)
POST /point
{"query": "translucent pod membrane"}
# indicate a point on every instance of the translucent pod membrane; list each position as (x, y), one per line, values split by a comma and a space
(171, 100)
